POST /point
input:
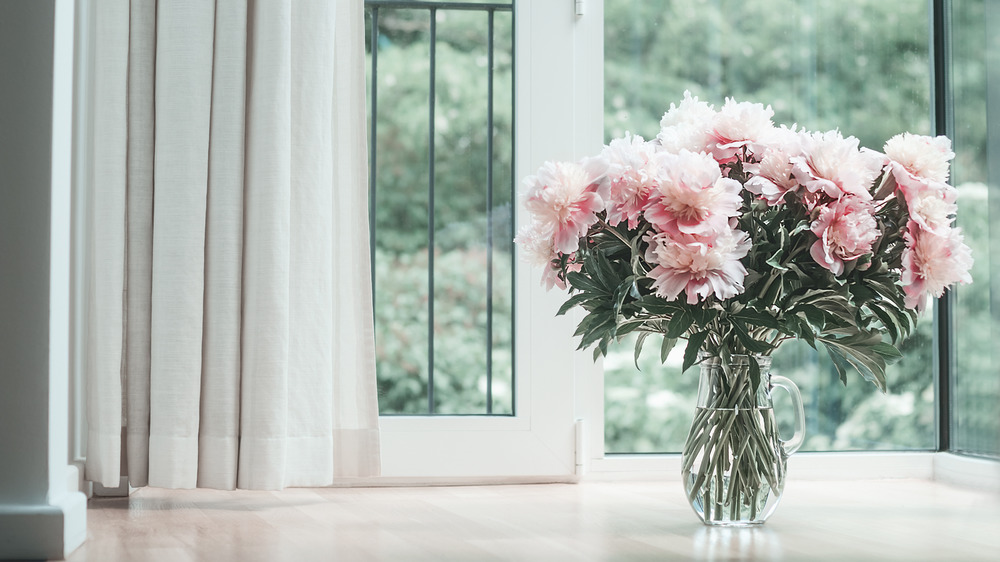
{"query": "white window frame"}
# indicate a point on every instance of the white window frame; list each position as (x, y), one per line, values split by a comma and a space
(596, 465)
(558, 115)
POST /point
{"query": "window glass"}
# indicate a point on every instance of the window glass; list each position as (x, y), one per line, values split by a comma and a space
(976, 380)
(858, 65)
(442, 212)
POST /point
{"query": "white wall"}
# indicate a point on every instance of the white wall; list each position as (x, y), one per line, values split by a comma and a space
(39, 516)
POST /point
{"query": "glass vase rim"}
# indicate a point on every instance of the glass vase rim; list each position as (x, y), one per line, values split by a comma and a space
(713, 360)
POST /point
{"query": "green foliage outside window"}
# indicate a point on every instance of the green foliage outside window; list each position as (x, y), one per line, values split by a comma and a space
(460, 210)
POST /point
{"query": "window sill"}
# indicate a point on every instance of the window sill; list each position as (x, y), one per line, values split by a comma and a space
(945, 467)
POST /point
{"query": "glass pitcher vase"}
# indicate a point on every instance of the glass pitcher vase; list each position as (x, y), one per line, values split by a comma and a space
(734, 461)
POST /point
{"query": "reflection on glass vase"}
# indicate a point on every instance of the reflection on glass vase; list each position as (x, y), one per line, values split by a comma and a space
(734, 462)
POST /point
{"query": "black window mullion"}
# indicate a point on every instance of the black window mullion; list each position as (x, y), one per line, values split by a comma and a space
(942, 103)
(489, 217)
(513, 197)
(430, 215)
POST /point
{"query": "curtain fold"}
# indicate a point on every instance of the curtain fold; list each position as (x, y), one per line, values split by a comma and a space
(229, 218)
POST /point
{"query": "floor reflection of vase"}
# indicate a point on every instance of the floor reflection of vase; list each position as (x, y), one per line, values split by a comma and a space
(737, 543)
(734, 462)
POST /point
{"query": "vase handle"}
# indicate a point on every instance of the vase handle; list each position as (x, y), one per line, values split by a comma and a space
(793, 444)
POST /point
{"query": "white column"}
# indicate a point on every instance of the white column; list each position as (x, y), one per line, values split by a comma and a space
(40, 517)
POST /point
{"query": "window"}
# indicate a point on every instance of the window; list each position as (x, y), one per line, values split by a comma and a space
(858, 65)
(533, 436)
(975, 386)
(441, 78)
(862, 65)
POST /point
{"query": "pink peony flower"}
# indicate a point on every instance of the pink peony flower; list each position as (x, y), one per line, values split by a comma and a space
(919, 164)
(834, 166)
(738, 125)
(685, 126)
(845, 230)
(699, 266)
(563, 199)
(536, 245)
(920, 157)
(931, 205)
(631, 175)
(692, 196)
(537, 249)
(772, 177)
(932, 262)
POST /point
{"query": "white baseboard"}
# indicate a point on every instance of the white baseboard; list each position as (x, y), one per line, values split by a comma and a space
(75, 481)
(983, 474)
(122, 490)
(423, 481)
(43, 532)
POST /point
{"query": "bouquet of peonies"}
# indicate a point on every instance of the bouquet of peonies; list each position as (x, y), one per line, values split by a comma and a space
(735, 235)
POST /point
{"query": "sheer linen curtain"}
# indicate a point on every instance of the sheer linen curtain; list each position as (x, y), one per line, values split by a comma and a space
(229, 318)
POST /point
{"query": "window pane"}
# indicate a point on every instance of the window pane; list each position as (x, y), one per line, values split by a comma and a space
(443, 271)
(976, 382)
(858, 65)
(401, 218)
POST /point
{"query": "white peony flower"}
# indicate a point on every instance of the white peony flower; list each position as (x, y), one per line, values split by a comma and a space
(686, 126)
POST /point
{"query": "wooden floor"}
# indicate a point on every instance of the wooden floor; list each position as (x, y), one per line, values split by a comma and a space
(855, 521)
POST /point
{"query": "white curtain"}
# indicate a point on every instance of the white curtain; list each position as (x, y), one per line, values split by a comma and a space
(228, 315)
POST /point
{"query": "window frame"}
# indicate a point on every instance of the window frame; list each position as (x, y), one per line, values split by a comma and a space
(559, 392)
(944, 462)
(538, 442)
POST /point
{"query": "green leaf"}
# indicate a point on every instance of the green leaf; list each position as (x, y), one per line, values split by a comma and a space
(656, 305)
(888, 320)
(600, 326)
(623, 290)
(859, 351)
(773, 292)
(602, 272)
(839, 362)
(756, 318)
(812, 315)
(627, 327)
(863, 294)
(574, 300)
(704, 316)
(691, 351)
(679, 323)
(754, 372)
(665, 348)
(888, 351)
(804, 331)
(775, 260)
(810, 296)
(638, 347)
(886, 288)
(581, 282)
(752, 345)
(801, 227)
(585, 323)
